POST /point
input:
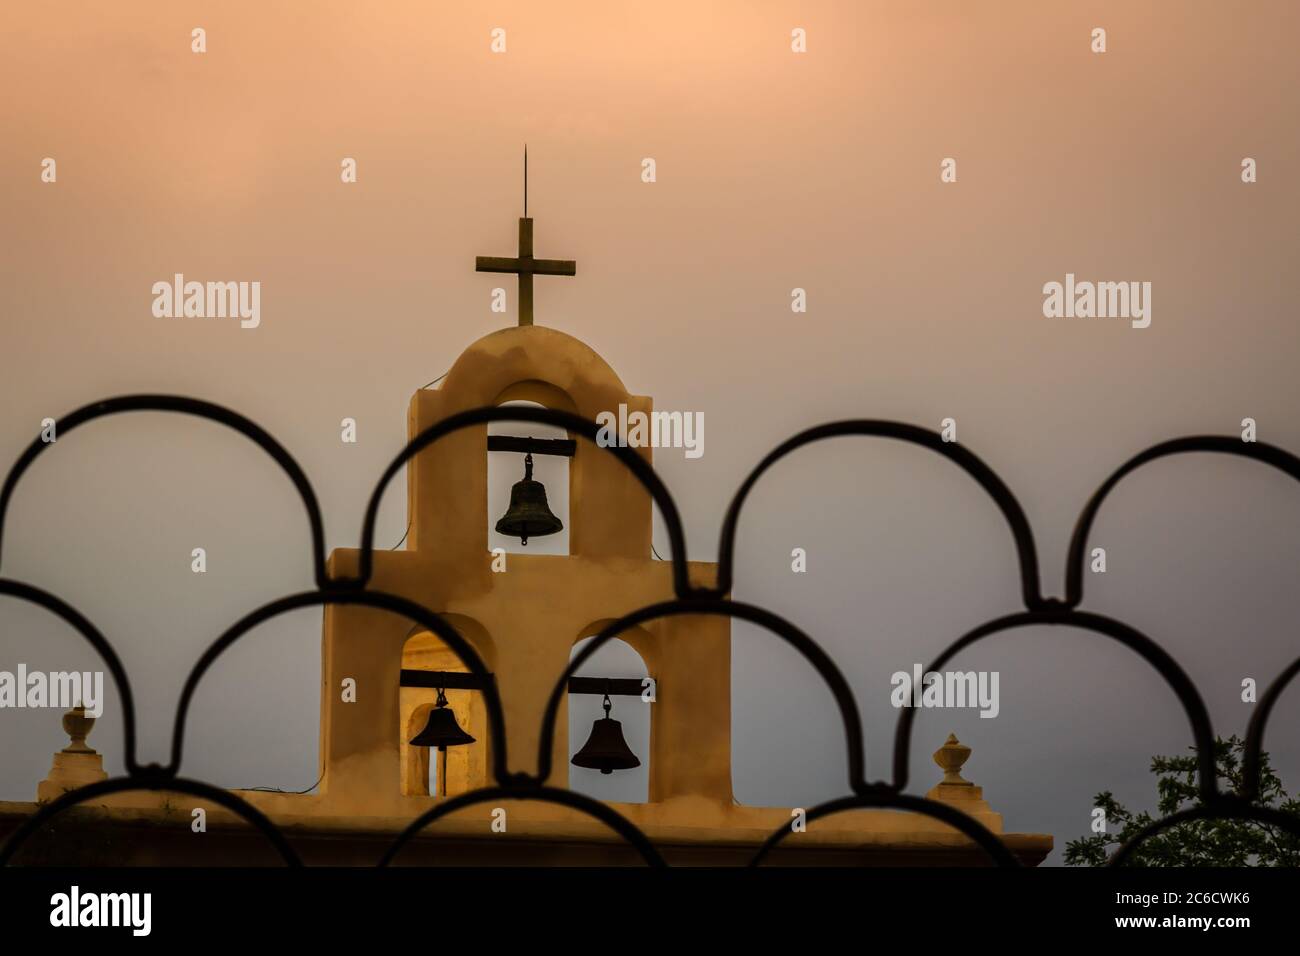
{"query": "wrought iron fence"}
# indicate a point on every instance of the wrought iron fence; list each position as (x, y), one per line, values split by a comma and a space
(689, 599)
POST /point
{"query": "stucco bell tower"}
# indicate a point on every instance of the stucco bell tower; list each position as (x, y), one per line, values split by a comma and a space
(525, 621)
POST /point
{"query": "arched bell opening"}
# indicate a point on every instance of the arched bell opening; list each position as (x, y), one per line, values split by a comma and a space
(609, 724)
(428, 667)
(528, 490)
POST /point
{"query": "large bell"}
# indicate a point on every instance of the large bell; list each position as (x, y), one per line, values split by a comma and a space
(441, 731)
(528, 515)
(606, 750)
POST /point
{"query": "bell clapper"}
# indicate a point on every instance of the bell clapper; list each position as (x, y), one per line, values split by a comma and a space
(442, 751)
(440, 732)
(528, 476)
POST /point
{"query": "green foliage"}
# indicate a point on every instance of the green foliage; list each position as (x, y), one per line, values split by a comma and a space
(1197, 842)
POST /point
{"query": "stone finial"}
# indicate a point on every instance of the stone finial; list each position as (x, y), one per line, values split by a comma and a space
(957, 791)
(75, 765)
(77, 724)
(950, 758)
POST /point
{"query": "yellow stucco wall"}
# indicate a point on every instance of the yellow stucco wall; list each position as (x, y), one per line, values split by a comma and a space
(527, 619)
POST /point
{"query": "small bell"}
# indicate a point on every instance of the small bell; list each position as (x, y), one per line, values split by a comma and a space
(606, 750)
(441, 731)
(528, 516)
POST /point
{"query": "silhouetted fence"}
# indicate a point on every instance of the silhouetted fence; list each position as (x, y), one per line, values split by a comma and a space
(516, 785)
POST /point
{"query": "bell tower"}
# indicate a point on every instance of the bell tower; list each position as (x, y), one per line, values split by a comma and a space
(523, 619)
(523, 612)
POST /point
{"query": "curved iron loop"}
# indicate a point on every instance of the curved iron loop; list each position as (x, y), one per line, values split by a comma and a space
(689, 600)
(194, 788)
(958, 454)
(1149, 650)
(1260, 451)
(589, 430)
(593, 808)
(187, 406)
(1251, 761)
(782, 628)
(988, 842)
(376, 599)
(103, 648)
(1224, 808)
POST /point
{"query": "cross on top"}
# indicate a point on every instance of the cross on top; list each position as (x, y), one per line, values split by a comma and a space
(524, 265)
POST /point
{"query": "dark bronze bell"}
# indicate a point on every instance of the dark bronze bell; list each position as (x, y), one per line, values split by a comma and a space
(528, 515)
(606, 750)
(441, 731)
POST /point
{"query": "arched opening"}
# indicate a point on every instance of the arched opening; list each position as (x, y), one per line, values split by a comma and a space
(614, 659)
(427, 771)
(505, 469)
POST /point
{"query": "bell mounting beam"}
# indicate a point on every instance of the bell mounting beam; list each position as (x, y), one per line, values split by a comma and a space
(449, 680)
(456, 680)
(614, 686)
(563, 447)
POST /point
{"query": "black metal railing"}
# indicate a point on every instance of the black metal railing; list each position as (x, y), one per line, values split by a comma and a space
(689, 599)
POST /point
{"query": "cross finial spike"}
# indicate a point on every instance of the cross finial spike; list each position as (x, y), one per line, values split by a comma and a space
(525, 265)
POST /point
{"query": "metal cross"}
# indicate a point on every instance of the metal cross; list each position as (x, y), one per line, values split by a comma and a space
(525, 266)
